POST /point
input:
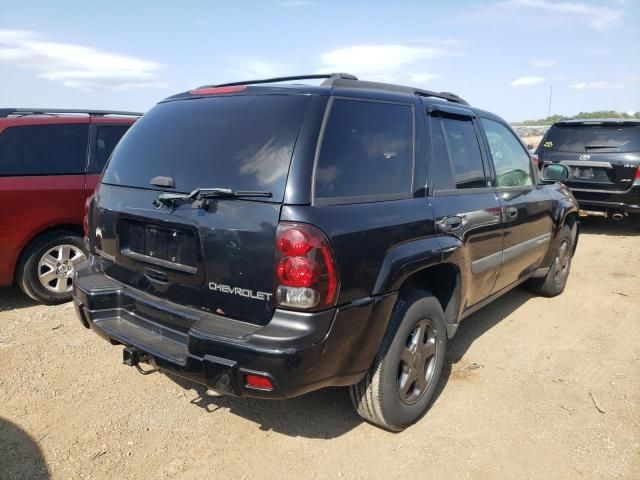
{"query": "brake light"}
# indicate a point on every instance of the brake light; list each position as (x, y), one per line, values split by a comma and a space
(306, 276)
(536, 160)
(217, 90)
(638, 173)
(85, 219)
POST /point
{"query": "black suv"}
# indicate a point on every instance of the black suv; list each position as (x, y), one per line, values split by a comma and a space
(603, 157)
(271, 239)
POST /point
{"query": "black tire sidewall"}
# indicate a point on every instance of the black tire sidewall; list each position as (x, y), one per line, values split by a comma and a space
(394, 410)
(28, 269)
(558, 286)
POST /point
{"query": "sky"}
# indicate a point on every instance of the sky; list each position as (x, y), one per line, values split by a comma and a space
(500, 55)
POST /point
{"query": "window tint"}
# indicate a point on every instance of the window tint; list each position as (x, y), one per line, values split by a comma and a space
(511, 162)
(594, 137)
(464, 151)
(43, 150)
(107, 137)
(440, 165)
(367, 150)
(244, 142)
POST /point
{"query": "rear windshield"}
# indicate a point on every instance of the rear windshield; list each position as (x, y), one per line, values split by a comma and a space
(241, 142)
(592, 138)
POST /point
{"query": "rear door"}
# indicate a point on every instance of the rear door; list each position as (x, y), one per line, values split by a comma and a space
(465, 205)
(42, 164)
(216, 255)
(601, 156)
(526, 206)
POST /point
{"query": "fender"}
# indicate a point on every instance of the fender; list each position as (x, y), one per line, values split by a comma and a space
(404, 260)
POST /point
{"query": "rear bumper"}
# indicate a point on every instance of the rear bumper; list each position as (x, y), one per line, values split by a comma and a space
(299, 352)
(626, 201)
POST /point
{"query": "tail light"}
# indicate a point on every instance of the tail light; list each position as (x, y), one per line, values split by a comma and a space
(306, 276)
(536, 160)
(85, 219)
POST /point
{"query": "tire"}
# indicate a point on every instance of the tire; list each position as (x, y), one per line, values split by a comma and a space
(556, 279)
(379, 397)
(42, 273)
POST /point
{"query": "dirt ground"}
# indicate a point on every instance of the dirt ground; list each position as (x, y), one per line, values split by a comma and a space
(534, 388)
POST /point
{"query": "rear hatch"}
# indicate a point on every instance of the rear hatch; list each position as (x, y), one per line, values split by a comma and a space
(214, 254)
(600, 155)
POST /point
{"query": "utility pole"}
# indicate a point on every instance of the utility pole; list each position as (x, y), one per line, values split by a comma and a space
(550, 95)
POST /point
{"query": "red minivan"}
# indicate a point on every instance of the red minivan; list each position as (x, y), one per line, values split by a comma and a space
(50, 162)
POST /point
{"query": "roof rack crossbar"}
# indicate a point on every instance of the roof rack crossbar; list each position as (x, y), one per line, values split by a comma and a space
(5, 112)
(346, 76)
(348, 83)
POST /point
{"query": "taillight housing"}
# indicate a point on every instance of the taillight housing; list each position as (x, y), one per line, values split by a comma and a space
(306, 275)
(638, 175)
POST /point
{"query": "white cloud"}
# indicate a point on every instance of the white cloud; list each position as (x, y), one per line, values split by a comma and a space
(527, 81)
(423, 77)
(76, 66)
(542, 63)
(597, 17)
(606, 84)
(384, 63)
(297, 3)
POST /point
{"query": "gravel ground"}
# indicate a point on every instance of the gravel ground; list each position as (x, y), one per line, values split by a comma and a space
(534, 388)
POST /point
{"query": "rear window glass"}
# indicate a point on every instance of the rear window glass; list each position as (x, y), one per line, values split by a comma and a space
(242, 142)
(592, 138)
(366, 151)
(44, 150)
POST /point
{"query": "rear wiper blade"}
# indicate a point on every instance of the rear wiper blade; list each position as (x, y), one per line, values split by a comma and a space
(198, 194)
(593, 147)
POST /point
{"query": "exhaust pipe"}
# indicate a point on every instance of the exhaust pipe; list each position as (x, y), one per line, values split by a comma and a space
(617, 216)
(592, 213)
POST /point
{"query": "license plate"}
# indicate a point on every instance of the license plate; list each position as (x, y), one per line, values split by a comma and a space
(583, 173)
(163, 244)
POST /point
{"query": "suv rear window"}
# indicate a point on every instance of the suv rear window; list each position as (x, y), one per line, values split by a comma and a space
(44, 150)
(592, 138)
(366, 151)
(243, 142)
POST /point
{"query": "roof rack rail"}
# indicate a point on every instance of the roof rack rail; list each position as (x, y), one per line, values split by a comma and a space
(346, 76)
(5, 112)
(350, 83)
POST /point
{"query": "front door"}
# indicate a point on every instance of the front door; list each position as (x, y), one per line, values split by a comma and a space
(526, 208)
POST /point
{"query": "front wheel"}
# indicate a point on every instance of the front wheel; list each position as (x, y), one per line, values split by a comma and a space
(46, 270)
(399, 386)
(556, 279)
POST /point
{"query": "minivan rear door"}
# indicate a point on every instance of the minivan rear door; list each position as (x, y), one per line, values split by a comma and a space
(213, 254)
(600, 155)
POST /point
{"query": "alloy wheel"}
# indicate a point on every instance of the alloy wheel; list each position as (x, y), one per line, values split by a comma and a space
(57, 265)
(417, 362)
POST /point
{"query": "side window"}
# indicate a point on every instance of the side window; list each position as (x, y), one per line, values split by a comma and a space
(367, 150)
(107, 137)
(464, 150)
(511, 162)
(439, 163)
(44, 150)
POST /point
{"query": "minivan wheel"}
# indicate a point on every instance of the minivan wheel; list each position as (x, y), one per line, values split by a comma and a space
(399, 386)
(46, 269)
(556, 279)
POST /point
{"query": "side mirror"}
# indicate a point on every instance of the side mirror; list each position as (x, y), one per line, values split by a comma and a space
(555, 172)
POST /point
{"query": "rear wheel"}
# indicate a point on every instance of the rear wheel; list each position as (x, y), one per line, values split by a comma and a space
(404, 376)
(556, 279)
(45, 272)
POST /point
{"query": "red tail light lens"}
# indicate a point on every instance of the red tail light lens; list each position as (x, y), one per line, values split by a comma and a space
(85, 219)
(306, 276)
(258, 382)
(638, 173)
(217, 90)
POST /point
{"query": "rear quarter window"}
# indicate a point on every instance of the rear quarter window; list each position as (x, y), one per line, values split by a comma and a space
(44, 150)
(367, 151)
